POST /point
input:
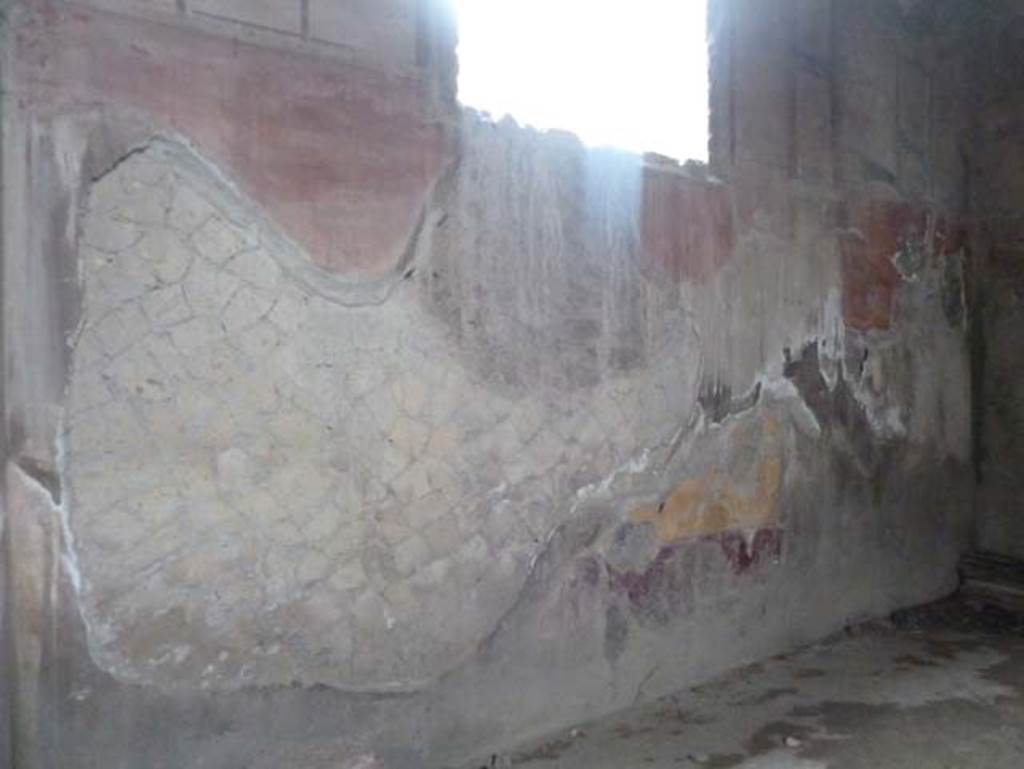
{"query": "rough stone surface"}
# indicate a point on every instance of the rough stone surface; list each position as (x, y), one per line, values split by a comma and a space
(366, 506)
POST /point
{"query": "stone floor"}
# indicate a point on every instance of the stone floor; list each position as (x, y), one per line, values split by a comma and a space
(941, 686)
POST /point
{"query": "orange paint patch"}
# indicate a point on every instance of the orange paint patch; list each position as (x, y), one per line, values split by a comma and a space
(744, 495)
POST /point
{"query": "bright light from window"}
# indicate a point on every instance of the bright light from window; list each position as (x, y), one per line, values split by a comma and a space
(622, 73)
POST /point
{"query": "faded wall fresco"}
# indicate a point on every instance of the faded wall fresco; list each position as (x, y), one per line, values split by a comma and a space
(341, 154)
(343, 422)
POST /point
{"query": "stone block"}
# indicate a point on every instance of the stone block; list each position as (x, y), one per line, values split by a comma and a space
(411, 555)
(110, 236)
(218, 240)
(280, 15)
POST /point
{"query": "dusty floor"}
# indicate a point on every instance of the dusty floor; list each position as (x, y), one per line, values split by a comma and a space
(941, 686)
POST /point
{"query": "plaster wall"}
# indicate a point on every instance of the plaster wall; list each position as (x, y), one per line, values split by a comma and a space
(997, 202)
(343, 422)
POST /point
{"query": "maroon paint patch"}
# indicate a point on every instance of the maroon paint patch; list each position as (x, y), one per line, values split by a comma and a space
(665, 587)
(765, 547)
(878, 230)
(340, 156)
(685, 225)
(641, 587)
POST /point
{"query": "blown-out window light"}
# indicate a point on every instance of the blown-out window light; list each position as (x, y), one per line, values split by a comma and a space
(631, 74)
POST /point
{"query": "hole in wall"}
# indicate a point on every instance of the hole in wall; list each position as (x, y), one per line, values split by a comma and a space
(630, 74)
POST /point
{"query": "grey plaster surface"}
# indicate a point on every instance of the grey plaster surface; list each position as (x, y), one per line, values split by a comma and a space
(936, 689)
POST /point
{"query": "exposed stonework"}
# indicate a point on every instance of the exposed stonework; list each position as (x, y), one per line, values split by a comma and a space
(367, 508)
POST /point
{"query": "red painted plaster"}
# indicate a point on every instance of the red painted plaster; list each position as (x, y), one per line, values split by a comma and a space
(878, 229)
(686, 226)
(340, 156)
